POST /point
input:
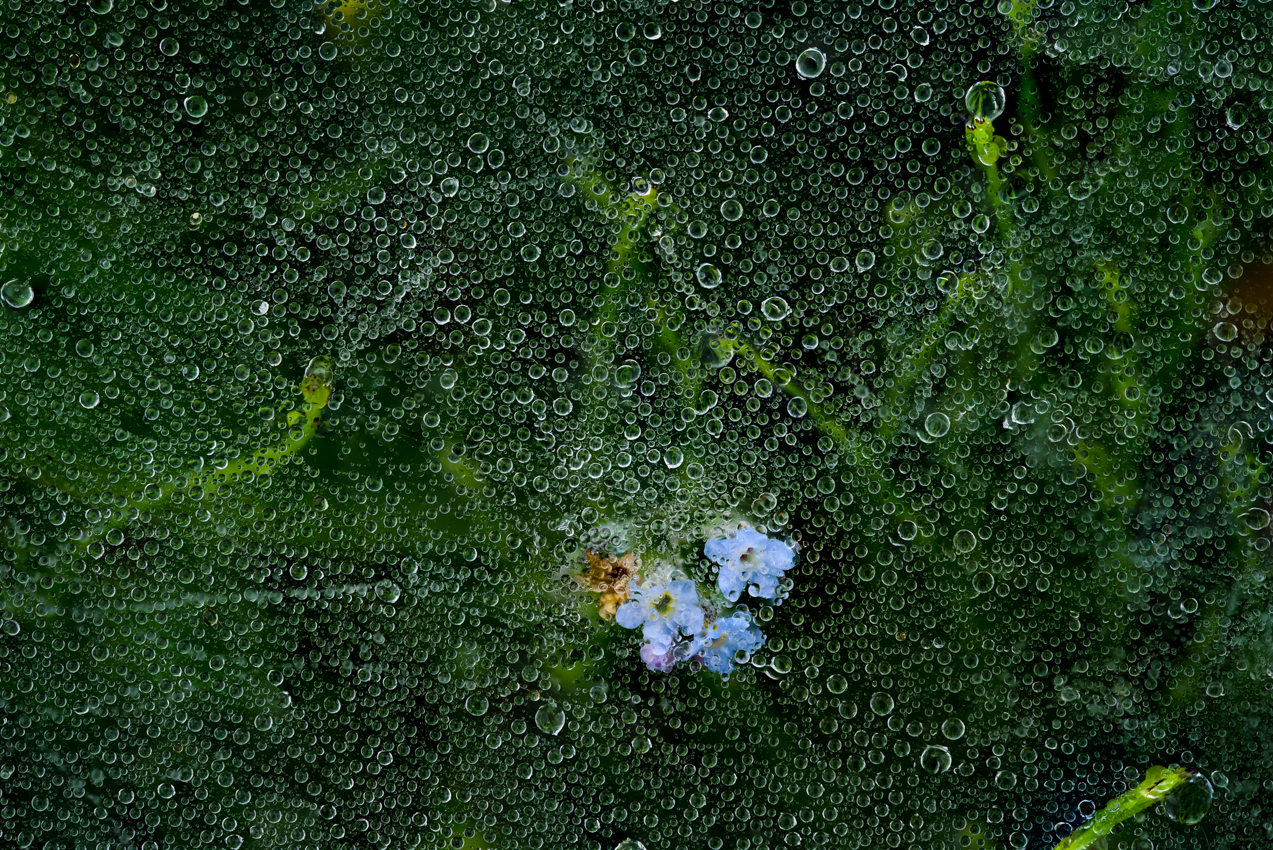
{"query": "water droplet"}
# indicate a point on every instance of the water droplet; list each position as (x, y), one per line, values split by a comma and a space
(881, 703)
(388, 591)
(935, 759)
(450, 186)
(709, 276)
(1235, 116)
(837, 684)
(17, 294)
(550, 719)
(965, 541)
(953, 728)
(865, 260)
(937, 424)
(775, 309)
(985, 100)
(731, 210)
(1189, 802)
(89, 399)
(810, 63)
(478, 143)
(196, 106)
(476, 705)
(169, 47)
(630, 844)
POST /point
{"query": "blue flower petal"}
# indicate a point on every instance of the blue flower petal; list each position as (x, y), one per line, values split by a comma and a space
(630, 615)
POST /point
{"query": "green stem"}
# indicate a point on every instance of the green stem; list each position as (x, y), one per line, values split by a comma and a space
(1158, 782)
(316, 388)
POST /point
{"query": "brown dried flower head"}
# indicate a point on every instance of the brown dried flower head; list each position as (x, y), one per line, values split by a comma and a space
(609, 576)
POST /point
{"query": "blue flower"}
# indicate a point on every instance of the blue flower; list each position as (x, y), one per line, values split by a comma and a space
(658, 661)
(663, 611)
(718, 645)
(749, 558)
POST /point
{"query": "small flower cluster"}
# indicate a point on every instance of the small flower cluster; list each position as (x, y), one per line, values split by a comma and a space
(749, 559)
(678, 625)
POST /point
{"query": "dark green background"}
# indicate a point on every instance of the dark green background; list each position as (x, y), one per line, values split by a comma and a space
(351, 650)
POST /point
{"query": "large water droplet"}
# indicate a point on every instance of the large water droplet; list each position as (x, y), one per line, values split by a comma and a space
(935, 759)
(1190, 801)
(881, 703)
(709, 276)
(196, 106)
(17, 294)
(775, 309)
(550, 719)
(810, 63)
(985, 100)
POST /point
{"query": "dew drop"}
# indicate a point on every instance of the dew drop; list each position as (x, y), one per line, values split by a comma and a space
(550, 719)
(810, 63)
(196, 106)
(17, 294)
(937, 424)
(709, 277)
(935, 759)
(1189, 802)
(775, 309)
(985, 100)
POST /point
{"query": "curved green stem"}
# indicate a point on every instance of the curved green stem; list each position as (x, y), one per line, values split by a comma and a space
(1158, 782)
(316, 388)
